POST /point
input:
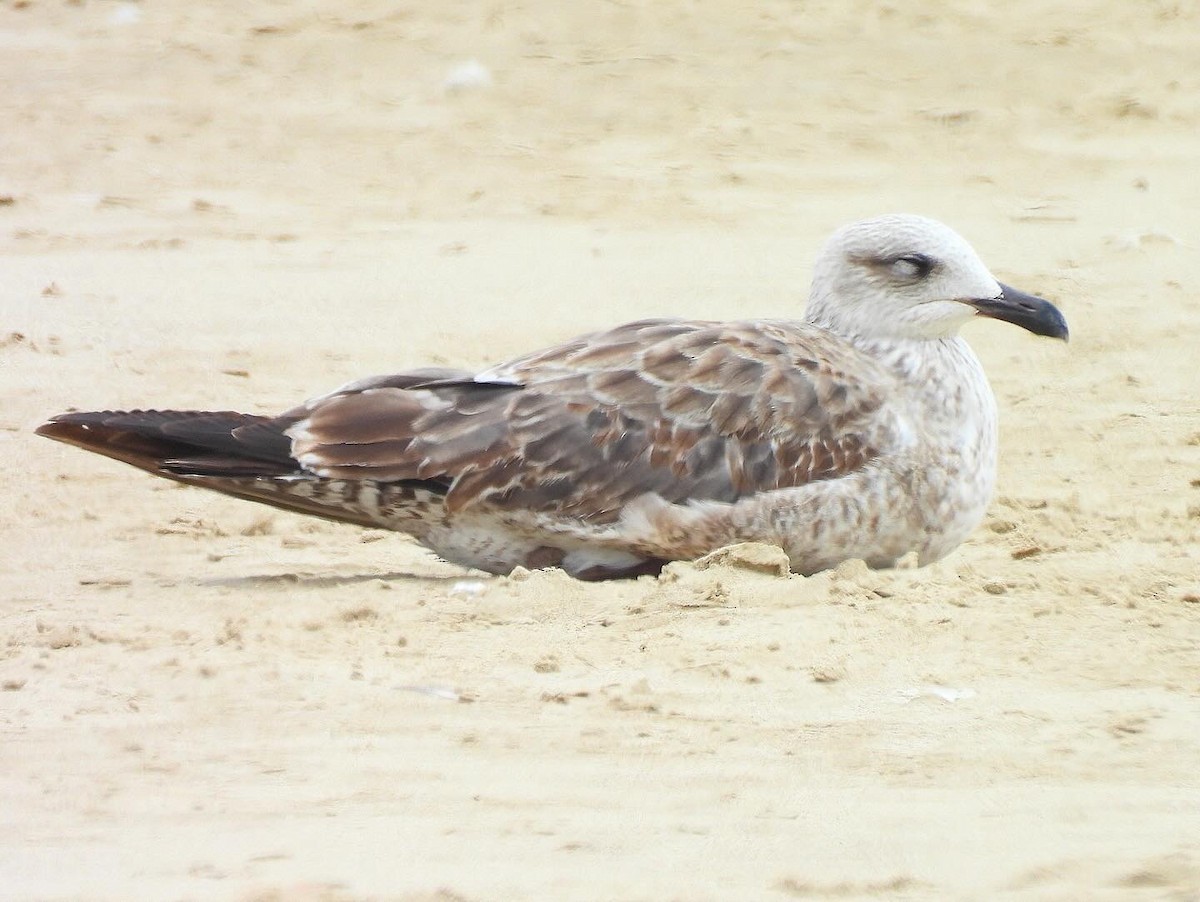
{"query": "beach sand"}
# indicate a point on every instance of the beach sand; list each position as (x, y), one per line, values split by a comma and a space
(238, 206)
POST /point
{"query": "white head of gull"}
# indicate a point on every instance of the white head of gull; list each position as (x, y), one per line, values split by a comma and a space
(866, 431)
(908, 277)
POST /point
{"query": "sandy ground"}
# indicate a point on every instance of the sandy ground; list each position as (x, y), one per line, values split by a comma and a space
(241, 205)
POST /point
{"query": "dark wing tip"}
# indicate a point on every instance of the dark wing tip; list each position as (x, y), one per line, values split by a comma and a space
(175, 440)
(69, 427)
(51, 428)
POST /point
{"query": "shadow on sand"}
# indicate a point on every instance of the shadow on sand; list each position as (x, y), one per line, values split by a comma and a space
(317, 581)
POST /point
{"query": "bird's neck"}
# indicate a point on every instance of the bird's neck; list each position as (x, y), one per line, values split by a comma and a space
(918, 359)
(946, 367)
(942, 368)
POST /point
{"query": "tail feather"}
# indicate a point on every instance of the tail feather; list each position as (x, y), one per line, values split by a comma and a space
(182, 442)
(237, 454)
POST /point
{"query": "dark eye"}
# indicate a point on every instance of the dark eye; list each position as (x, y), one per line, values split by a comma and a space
(912, 266)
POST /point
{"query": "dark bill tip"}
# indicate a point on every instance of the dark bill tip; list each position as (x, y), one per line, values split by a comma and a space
(1034, 314)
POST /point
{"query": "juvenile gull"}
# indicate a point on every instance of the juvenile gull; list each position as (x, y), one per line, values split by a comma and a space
(867, 430)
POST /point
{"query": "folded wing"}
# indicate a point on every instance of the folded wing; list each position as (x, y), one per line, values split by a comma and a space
(687, 410)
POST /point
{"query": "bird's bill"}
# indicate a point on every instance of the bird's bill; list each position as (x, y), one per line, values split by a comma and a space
(1034, 314)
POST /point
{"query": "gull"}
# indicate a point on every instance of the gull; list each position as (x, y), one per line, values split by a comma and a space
(865, 430)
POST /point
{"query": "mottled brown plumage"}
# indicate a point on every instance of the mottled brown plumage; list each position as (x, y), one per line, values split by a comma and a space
(686, 410)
